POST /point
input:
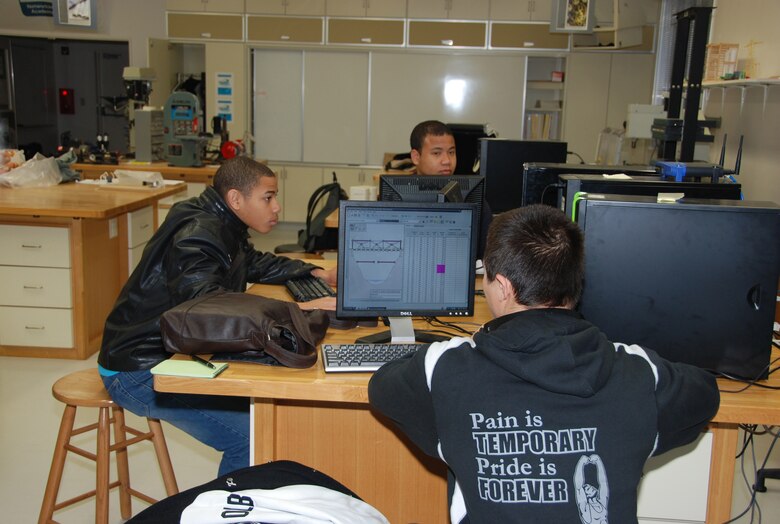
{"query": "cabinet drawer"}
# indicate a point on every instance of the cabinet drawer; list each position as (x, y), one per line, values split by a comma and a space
(284, 29)
(527, 36)
(35, 287)
(26, 326)
(202, 26)
(34, 246)
(140, 226)
(446, 34)
(134, 256)
(365, 32)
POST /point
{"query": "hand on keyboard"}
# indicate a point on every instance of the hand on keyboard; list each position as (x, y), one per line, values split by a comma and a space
(326, 303)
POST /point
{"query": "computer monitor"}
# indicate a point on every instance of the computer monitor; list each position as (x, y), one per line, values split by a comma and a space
(695, 281)
(427, 188)
(501, 163)
(540, 179)
(571, 185)
(467, 146)
(402, 260)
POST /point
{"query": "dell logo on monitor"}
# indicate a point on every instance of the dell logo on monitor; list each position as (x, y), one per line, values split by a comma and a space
(406, 313)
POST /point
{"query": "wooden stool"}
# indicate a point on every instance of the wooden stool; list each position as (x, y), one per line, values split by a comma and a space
(85, 388)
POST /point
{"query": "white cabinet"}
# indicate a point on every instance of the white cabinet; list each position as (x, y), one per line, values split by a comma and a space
(286, 7)
(140, 227)
(617, 24)
(534, 10)
(206, 6)
(351, 176)
(369, 8)
(36, 306)
(451, 9)
(675, 485)
(296, 184)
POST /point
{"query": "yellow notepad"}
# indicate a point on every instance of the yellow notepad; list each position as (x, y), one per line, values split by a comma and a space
(188, 368)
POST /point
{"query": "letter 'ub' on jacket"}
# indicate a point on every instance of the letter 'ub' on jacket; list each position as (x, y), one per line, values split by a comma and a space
(541, 419)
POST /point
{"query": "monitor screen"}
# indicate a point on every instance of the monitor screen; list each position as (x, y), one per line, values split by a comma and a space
(501, 163)
(694, 281)
(404, 259)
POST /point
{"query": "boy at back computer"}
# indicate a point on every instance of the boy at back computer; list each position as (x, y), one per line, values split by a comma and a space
(539, 417)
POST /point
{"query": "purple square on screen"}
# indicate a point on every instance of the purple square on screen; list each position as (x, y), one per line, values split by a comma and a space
(439, 268)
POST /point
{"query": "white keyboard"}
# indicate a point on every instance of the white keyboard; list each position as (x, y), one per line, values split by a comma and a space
(362, 357)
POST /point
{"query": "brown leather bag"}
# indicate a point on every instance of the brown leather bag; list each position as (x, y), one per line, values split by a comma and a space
(263, 329)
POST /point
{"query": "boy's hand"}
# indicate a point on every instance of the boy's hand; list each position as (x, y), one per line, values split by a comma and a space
(328, 275)
(328, 303)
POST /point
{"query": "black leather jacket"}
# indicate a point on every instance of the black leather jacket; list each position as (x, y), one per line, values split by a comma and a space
(202, 246)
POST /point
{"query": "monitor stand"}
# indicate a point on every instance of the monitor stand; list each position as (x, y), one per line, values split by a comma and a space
(401, 332)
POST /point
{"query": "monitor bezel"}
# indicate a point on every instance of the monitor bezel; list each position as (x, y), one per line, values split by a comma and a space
(467, 311)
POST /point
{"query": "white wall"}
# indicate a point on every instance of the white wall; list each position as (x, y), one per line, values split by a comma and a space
(756, 115)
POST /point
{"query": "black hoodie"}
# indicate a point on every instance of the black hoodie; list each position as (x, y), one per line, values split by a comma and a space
(541, 419)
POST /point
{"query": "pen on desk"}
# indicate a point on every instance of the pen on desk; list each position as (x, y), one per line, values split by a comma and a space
(203, 361)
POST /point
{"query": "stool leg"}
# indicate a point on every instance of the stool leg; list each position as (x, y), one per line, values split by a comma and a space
(102, 467)
(163, 458)
(122, 467)
(57, 465)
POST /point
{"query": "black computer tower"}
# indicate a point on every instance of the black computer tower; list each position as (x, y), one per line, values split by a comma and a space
(541, 184)
(501, 163)
(641, 185)
(695, 281)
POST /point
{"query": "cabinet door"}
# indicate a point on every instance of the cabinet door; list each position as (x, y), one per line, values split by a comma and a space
(446, 34)
(284, 29)
(205, 27)
(526, 36)
(208, 6)
(286, 7)
(365, 32)
(526, 10)
(371, 8)
(297, 185)
(586, 106)
(452, 9)
(349, 177)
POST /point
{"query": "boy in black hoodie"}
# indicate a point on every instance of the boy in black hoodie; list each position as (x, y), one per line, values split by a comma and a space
(539, 417)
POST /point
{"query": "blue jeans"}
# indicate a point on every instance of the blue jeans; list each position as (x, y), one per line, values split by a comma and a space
(219, 422)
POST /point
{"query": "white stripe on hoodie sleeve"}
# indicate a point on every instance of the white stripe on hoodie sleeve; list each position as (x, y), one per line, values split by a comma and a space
(436, 350)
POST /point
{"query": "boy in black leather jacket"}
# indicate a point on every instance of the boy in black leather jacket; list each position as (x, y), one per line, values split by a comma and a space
(202, 246)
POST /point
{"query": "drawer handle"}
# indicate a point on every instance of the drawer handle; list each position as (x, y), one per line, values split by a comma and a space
(366, 40)
(447, 42)
(32, 287)
(36, 328)
(284, 37)
(32, 246)
(144, 226)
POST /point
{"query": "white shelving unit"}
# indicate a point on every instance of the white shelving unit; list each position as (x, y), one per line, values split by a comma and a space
(543, 118)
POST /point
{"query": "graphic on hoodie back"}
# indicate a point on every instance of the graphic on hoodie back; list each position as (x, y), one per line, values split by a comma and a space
(516, 463)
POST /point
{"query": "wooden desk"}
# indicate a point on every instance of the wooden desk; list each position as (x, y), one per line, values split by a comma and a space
(64, 255)
(323, 420)
(203, 175)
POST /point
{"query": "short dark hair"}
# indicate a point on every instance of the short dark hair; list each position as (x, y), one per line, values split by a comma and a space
(241, 173)
(541, 252)
(423, 129)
